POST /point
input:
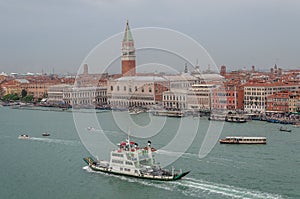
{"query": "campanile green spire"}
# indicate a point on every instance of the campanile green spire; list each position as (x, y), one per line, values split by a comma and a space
(127, 34)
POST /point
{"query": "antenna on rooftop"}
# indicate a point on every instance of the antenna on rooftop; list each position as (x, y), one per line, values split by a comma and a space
(197, 64)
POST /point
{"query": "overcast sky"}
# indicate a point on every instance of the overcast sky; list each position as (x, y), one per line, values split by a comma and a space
(44, 35)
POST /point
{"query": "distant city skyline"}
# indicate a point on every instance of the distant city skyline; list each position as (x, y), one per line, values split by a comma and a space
(42, 36)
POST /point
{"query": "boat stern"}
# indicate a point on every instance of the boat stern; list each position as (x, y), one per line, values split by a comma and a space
(181, 175)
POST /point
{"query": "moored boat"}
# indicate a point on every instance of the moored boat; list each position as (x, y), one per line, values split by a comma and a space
(45, 134)
(273, 120)
(217, 117)
(130, 160)
(284, 129)
(168, 113)
(244, 140)
(236, 118)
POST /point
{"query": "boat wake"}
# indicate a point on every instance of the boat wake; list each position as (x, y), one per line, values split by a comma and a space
(197, 188)
(57, 141)
(92, 129)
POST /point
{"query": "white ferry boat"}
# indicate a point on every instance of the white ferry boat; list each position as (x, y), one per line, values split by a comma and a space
(244, 140)
(217, 117)
(236, 118)
(130, 160)
(168, 113)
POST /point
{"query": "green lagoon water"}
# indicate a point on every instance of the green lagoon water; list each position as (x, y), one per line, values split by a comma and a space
(52, 167)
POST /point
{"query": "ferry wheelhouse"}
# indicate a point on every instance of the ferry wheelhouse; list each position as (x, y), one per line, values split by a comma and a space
(131, 160)
(244, 140)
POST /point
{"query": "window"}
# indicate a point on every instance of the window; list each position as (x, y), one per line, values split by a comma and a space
(111, 88)
(150, 90)
(117, 161)
(128, 163)
(118, 88)
(135, 88)
(124, 88)
(142, 89)
(117, 155)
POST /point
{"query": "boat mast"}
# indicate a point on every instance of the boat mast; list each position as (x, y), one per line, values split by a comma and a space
(150, 152)
(128, 140)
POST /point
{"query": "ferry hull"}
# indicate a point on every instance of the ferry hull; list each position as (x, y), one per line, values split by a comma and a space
(236, 121)
(92, 164)
(227, 142)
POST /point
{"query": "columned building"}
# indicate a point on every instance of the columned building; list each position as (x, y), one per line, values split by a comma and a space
(128, 54)
(175, 100)
(136, 91)
(56, 93)
(77, 96)
(85, 96)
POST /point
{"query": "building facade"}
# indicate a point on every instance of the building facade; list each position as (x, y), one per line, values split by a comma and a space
(56, 93)
(85, 96)
(199, 97)
(219, 98)
(294, 103)
(255, 94)
(77, 96)
(278, 102)
(175, 100)
(136, 91)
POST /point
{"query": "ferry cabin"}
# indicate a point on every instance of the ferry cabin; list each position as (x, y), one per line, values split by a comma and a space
(131, 160)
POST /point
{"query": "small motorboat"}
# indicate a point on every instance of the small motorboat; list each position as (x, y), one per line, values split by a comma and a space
(24, 137)
(91, 128)
(45, 134)
(284, 129)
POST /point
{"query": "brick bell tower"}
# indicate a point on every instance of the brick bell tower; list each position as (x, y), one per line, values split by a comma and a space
(128, 53)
